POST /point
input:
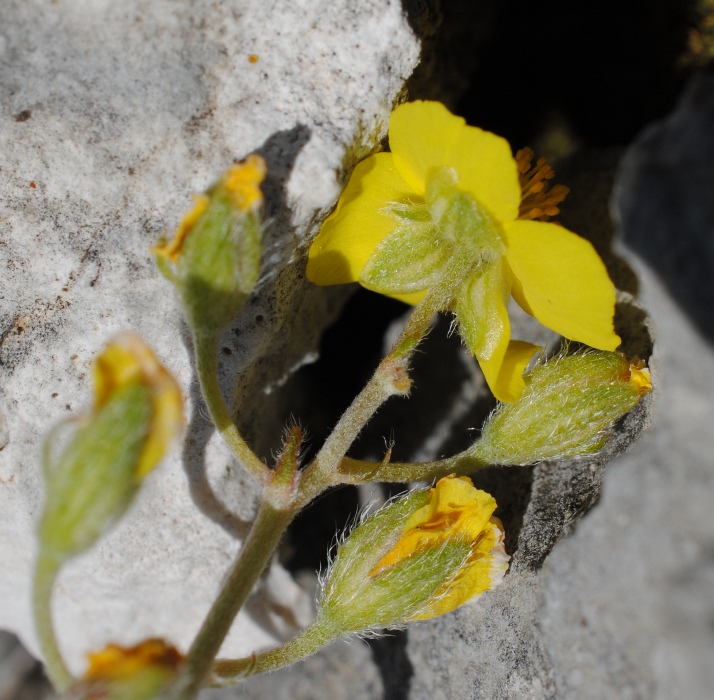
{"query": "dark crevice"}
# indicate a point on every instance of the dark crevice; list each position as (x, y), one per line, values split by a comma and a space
(391, 658)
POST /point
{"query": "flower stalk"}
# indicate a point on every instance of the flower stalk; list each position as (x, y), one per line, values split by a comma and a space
(391, 378)
(227, 672)
(269, 526)
(46, 571)
(206, 348)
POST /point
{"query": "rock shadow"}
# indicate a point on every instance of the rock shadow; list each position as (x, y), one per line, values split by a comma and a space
(280, 152)
(664, 200)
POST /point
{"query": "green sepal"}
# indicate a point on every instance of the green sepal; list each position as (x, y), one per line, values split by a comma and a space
(482, 308)
(146, 684)
(219, 263)
(460, 218)
(164, 267)
(409, 259)
(93, 481)
(568, 405)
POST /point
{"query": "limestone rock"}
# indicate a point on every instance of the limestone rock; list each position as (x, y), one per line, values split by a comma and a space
(113, 114)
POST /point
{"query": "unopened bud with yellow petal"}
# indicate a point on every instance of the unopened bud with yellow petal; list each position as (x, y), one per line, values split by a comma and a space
(419, 557)
(136, 413)
(141, 672)
(567, 408)
(214, 258)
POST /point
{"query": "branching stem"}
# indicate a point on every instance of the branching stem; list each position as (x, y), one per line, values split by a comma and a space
(269, 526)
(390, 379)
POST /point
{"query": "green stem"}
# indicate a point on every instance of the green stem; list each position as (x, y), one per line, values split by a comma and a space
(355, 471)
(46, 571)
(269, 526)
(206, 346)
(232, 671)
(323, 471)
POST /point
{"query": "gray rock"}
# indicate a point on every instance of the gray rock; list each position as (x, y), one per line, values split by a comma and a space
(622, 606)
(117, 114)
(112, 114)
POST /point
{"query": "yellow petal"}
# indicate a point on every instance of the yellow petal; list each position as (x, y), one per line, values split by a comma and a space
(455, 511)
(171, 251)
(359, 223)
(411, 298)
(242, 182)
(487, 171)
(425, 135)
(640, 377)
(117, 367)
(422, 136)
(561, 280)
(115, 662)
(504, 372)
(166, 422)
(483, 571)
(127, 360)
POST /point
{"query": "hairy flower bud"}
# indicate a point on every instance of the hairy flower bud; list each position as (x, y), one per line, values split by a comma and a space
(419, 557)
(566, 409)
(137, 411)
(214, 258)
(140, 672)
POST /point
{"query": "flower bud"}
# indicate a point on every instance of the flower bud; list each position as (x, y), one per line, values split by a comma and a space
(566, 409)
(419, 557)
(214, 258)
(140, 672)
(137, 411)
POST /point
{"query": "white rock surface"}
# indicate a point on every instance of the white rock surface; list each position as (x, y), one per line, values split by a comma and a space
(112, 115)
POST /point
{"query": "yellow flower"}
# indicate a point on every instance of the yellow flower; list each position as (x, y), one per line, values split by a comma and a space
(448, 191)
(456, 512)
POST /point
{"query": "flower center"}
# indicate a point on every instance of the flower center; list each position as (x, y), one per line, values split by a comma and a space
(539, 200)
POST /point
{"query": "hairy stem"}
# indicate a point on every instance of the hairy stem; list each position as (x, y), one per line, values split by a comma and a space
(355, 471)
(390, 379)
(232, 671)
(269, 526)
